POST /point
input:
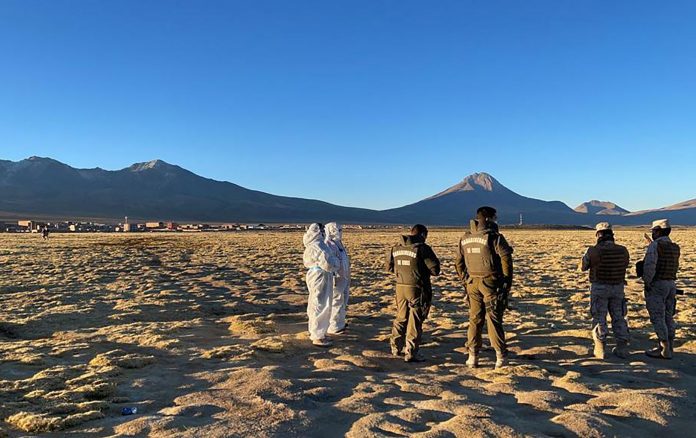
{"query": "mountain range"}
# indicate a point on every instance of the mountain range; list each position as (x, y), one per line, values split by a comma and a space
(43, 187)
(601, 207)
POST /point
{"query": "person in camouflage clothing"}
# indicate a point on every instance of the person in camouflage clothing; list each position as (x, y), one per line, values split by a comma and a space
(660, 267)
(607, 263)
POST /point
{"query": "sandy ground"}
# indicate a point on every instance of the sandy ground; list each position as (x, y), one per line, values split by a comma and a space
(206, 335)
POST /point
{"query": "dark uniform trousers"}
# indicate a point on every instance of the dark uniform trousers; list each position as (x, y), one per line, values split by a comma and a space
(411, 310)
(485, 302)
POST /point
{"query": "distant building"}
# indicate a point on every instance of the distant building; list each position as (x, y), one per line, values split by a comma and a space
(193, 227)
(30, 225)
(26, 225)
(154, 225)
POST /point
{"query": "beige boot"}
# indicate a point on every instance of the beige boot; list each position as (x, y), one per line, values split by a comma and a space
(599, 349)
(500, 360)
(472, 361)
(599, 344)
(413, 357)
(621, 349)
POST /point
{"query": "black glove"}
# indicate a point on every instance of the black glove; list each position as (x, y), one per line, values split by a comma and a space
(507, 284)
(505, 287)
(639, 269)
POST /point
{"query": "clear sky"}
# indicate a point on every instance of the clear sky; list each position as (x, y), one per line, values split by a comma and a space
(363, 103)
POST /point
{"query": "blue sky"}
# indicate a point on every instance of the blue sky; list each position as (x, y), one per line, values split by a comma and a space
(363, 103)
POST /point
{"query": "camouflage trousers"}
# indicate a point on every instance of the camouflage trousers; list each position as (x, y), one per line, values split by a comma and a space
(608, 299)
(660, 299)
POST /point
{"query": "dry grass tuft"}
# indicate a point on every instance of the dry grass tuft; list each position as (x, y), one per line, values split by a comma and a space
(250, 325)
(119, 358)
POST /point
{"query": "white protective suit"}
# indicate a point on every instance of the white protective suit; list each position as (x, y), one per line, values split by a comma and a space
(317, 257)
(341, 283)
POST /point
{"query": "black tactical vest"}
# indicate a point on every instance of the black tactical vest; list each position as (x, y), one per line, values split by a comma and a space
(479, 255)
(406, 264)
(612, 264)
(667, 260)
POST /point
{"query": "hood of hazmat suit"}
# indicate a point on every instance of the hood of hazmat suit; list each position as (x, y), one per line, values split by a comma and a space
(313, 234)
(317, 253)
(334, 231)
(334, 234)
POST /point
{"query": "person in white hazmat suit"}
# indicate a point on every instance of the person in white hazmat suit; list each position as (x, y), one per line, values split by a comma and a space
(320, 278)
(341, 283)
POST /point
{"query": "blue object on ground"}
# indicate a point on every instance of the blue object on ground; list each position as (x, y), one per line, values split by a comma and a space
(129, 411)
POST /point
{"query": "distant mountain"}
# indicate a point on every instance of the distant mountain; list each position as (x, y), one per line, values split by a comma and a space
(682, 213)
(458, 204)
(601, 208)
(43, 187)
(151, 190)
(686, 205)
(682, 205)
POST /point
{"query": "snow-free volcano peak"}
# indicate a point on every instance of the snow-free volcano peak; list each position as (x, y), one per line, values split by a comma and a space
(148, 165)
(480, 181)
(601, 207)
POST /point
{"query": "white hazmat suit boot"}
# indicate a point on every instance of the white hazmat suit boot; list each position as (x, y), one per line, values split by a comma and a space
(321, 266)
(341, 283)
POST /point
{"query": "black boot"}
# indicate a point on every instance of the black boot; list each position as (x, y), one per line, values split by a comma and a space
(661, 351)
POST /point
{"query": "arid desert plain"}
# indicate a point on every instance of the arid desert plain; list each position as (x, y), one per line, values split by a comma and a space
(206, 335)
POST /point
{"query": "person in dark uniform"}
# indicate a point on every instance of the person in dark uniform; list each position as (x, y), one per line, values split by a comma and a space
(413, 262)
(484, 264)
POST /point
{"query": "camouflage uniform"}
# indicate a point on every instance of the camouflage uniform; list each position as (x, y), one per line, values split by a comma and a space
(660, 288)
(608, 299)
(607, 263)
